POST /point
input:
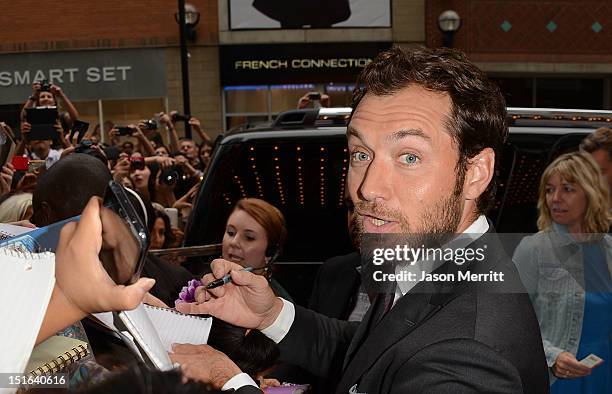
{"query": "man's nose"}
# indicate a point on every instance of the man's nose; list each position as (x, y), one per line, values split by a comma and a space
(376, 182)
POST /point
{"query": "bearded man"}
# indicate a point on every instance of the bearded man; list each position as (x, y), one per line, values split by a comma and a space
(424, 138)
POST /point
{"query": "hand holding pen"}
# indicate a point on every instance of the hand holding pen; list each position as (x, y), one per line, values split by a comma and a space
(249, 302)
(226, 279)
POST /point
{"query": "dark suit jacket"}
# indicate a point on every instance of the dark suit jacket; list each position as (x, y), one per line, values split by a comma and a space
(334, 293)
(438, 338)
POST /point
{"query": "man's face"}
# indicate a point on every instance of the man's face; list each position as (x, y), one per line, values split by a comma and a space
(602, 157)
(41, 148)
(188, 148)
(402, 175)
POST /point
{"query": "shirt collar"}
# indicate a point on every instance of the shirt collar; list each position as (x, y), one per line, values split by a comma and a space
(473, 232)
(480, 226)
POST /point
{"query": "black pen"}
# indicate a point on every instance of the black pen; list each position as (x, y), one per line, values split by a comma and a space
(226, 279)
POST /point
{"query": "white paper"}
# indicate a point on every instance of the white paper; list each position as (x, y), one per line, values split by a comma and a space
(26, 284)
(591, 361)
(175, 327)
(140, 326)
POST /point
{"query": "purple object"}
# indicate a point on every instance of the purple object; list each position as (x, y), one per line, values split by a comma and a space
(288, 389)
(187, 294)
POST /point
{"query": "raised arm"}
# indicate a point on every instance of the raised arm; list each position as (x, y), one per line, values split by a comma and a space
(166, 120)
(72, 111)
(197, 126)
(31, 101)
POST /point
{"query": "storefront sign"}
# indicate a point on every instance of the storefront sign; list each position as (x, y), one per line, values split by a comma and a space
(306, 63)
(85, 75)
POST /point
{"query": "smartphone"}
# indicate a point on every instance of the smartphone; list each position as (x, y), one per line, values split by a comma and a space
(43, 121)
(36, 167)
(79, 127)
(125, 240)
(20, 163)
(124, 130)
(173, 216)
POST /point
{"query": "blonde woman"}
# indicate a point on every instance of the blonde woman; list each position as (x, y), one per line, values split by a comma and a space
(566, 267)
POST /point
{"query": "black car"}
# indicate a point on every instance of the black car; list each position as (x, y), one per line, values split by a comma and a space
(299, 163)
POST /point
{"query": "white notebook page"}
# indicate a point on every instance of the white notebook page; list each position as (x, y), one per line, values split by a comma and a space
(26, 284)
(175, 327)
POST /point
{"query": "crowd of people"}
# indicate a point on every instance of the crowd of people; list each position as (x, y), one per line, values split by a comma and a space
(165, 174)
(427, 118)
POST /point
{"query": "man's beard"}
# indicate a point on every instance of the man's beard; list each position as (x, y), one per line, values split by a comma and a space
(437, 224)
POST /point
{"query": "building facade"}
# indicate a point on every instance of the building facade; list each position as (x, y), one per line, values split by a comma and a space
(119, 61)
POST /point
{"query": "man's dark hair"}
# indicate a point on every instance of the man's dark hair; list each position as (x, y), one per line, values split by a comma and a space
(599, 139)
(478, 109)
(253, 353)
(67, 187)
(140, 379)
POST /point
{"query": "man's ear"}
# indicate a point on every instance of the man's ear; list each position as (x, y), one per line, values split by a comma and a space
(42, 215)
(480, 172)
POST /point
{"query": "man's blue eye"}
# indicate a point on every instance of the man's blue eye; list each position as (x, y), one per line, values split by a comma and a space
(360, 156)
(410, 158)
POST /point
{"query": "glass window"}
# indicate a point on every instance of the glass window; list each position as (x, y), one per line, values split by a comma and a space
(246, 99)
(571, 93)
(286, 97)
(518, 92)
(340, 95)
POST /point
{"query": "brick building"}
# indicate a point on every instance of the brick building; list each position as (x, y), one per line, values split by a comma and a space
(119, 61)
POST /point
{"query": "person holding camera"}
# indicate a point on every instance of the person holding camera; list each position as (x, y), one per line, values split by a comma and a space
(136, 131)
(314, 100)
(186, 146)
(45, 94)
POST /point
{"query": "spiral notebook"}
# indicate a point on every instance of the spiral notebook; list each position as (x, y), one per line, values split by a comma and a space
(156, 329)
(55, 354)
(27, 280)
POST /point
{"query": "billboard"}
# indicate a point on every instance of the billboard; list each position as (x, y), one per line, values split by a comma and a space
(315, 14)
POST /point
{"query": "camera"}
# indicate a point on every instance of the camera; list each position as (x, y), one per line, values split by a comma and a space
(137, 163)
(170, 175)
(123, 130)
(314, 96)
(150, 124)
(45, 86)
(176, 117)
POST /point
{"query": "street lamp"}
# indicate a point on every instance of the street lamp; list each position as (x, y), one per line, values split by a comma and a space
(187, 18)
(192, 17)
(449, 23)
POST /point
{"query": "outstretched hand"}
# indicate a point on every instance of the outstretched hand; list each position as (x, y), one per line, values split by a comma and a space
(79, 269)
(247, 301)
